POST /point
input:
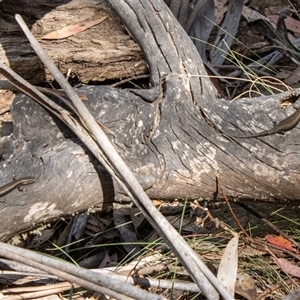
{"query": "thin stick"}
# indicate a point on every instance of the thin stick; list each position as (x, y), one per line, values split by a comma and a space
(234, 215)
(83, 277)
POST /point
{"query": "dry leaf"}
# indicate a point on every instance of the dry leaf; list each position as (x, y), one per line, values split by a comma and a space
(280, 241)
(71, 30)
(41, 238)
(293, 76)
(228, 265)
(252, 15)
(290, 23)
(245, 286)
(288, 267)
(105, 262)
(220, 10)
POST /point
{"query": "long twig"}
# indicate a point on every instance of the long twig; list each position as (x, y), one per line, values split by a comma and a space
(83, 277)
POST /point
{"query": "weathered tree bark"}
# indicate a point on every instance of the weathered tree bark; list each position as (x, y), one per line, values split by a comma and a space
(173, 136)
(103, 52)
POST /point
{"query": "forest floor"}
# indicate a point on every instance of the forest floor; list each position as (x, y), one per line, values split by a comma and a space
(269, 231)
